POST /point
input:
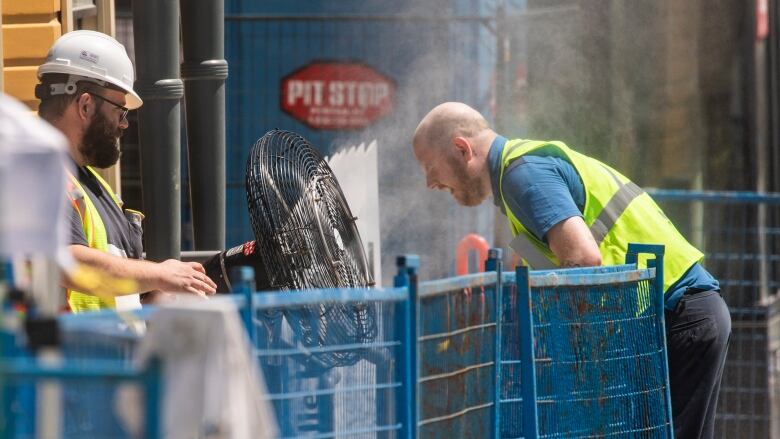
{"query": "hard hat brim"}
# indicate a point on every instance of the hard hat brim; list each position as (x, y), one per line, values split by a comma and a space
(133, 100)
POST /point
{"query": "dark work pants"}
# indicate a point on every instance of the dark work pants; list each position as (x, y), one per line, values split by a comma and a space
(697, 337)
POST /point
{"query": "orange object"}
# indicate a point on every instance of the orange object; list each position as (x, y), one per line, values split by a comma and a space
(470, 242)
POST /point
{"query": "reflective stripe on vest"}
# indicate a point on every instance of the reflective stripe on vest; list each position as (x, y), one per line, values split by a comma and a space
(616, 211)
(614, 208)
(599, 229)
(94, 231)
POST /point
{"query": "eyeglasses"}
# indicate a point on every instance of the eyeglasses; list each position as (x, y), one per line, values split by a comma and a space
(124, 109)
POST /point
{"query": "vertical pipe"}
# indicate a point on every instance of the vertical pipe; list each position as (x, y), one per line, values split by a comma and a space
(503, 94)
(2, 74)
(773, 59)
(761, 101)
(156, 36)
(204, 71)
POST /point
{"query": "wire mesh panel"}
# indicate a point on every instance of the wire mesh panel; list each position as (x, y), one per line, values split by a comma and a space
(94, 360)
(456, 342)
(90, 406)
(597, 343)
(314, 398)
(511, 392)
(739, 233)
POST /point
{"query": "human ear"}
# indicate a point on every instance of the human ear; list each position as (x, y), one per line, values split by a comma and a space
(463, 147)
(83, 108)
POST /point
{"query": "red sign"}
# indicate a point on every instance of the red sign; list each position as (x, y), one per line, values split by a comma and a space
(336, 95)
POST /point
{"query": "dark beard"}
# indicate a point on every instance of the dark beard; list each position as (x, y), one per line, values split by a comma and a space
(100, 146)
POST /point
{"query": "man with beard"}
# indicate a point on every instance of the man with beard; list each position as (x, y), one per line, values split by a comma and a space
(568, 210)
(86, 91)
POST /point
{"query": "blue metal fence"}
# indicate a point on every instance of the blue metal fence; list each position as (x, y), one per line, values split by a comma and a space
(457, 343)
(429, 367)
(94, 359)
(592, 341)
(739, 233)
(311, 396)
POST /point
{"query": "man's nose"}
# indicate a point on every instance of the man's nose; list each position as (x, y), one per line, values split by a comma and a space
(123, 124)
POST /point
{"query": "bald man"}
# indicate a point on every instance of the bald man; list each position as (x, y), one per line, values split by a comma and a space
(569, 210)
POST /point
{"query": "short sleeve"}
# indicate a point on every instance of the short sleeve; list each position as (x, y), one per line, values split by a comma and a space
(76, 229)
(538, 194)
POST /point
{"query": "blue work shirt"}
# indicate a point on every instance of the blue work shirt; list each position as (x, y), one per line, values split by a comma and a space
(546, 189)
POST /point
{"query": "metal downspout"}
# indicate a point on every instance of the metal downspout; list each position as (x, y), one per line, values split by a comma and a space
(204, 71)
(156, 37)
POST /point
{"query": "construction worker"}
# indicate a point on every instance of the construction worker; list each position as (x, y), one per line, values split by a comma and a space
(86, 91)
(569, 210)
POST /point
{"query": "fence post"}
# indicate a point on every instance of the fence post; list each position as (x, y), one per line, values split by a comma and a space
(406, 319)
(632, 257)
(527, 364)
(495, 263)
(153, 394)
(243, 281)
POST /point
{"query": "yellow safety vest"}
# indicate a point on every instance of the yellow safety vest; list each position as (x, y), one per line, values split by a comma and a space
(95, 232)
(616, 210)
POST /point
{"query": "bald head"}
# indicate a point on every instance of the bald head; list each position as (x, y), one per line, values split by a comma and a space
(451, 144)
(447, 121)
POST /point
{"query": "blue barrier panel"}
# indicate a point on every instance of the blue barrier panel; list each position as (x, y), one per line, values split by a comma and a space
(739, 233)
(336, 383)
(420, 360)
(457, 339)
(595, 340)
(95, 359)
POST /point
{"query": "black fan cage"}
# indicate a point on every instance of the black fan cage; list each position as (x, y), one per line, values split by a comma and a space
(307, 238)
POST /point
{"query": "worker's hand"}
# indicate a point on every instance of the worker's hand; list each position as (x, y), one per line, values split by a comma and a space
(185, 277)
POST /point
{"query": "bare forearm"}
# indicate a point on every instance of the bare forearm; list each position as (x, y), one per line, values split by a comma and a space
(573, 244)
(144, 273)
(170, 275)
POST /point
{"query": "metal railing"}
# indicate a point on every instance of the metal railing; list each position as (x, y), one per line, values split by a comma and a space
(92, 361)
(739, 233)
(418, 359)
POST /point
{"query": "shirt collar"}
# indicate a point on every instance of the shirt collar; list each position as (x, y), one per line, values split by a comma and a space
(494, 166)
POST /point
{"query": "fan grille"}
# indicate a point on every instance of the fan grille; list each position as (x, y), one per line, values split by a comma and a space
(307, 238)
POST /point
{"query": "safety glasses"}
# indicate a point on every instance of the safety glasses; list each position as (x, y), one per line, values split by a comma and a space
(124, 109)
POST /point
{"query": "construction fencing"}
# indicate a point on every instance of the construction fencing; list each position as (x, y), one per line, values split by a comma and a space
(71, 391)
(739, 233)
(440, 359)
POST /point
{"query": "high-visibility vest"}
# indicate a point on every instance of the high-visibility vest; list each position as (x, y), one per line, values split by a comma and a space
(616, 210)
(95, 232)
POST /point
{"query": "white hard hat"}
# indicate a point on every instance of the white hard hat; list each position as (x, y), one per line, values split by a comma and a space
(91, 56)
